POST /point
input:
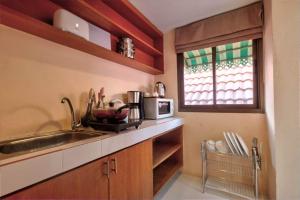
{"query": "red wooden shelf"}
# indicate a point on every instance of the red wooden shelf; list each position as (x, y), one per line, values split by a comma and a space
(163, 152)
(167, 157)
(128, 11)
(17, 20)
(100, 14)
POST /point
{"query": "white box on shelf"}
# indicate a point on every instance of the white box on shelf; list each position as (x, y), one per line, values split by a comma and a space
(99, 36)
(69, 22)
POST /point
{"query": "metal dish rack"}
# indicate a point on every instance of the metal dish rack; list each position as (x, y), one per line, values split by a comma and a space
(230, 173)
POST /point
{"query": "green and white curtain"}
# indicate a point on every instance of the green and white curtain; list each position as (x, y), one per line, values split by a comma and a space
(227, 56)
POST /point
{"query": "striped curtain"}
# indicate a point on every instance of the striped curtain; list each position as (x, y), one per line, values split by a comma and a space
(227, 56)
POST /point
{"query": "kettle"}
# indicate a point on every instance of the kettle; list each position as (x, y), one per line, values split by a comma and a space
(160, 88)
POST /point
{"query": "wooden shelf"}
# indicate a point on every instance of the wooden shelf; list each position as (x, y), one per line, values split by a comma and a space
(100, 14)
(163, 151)
(127, 10)
(17, 20)
(167, 157)
(163, 173)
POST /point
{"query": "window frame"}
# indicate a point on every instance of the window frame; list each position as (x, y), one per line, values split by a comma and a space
(258, 89)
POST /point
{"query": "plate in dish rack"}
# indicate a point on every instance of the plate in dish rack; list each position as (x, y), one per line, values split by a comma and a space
(236, 144)
(230, 145)
(243, 144)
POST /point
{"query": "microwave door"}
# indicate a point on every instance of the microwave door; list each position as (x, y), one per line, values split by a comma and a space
(164, 108)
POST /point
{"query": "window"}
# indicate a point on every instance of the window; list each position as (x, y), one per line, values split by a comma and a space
(224, 78)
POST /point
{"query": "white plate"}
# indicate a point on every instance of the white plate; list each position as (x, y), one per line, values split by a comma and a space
(243, 144)
(235, 143)
(222, 147)
(230, 145)
(210, 145)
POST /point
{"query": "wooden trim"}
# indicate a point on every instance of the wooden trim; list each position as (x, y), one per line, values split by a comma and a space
(260, 75)
(214, 51)
(258, 88)
(180, 80)
(168, 131)
(220, 110)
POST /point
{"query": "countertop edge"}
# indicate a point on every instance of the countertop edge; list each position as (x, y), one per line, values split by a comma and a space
(85, 152)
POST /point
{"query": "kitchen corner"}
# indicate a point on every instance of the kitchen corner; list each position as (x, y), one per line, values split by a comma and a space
(24, 170)
(147, 100)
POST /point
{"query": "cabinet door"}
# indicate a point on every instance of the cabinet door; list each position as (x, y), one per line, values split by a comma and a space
(140, 180)
(86, 182)
(118, 175)
(131, 173)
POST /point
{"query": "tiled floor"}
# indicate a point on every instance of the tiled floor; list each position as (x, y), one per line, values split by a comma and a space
(185, 187)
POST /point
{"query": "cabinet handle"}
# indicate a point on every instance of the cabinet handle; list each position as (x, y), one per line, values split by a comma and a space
(114, 165)
(106, 168)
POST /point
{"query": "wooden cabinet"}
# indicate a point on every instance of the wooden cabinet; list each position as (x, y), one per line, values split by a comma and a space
(140, 181)
(86, 182)
(126, 174)
(135, 173)
(131, 173)
(118, 175)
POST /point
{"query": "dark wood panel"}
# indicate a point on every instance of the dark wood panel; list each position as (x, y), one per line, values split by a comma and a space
(170, 137)
(145, 58)
(33, 26)
(159, 60)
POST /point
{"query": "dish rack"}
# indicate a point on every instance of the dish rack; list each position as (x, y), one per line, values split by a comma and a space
(231, 173)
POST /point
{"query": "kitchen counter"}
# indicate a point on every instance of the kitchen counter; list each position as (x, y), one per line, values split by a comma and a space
(24, 170)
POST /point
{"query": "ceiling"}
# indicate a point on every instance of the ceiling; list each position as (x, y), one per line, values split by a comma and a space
(169, 14)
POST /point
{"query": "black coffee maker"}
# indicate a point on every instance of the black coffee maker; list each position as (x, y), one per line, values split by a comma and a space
(136, 105)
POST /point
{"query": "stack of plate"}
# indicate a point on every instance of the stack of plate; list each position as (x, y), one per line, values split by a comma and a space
(236, 144)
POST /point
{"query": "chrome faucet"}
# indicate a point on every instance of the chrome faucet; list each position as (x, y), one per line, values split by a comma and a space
(74, 123)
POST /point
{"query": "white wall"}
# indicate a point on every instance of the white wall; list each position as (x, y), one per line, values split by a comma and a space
(269, 95)
(286, 52)
(36, 73)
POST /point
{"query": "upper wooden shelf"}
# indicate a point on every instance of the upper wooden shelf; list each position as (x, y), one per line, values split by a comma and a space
(100, 14)
(127, 10)
(17, 20)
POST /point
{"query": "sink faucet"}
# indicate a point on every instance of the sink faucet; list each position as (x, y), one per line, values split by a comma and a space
(74, 124)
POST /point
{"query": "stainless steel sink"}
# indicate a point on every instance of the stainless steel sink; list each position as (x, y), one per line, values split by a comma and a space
(46, 141)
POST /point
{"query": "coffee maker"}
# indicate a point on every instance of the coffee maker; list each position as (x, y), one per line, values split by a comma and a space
(136, 105)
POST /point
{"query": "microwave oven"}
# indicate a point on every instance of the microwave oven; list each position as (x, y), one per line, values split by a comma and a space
(158, 108)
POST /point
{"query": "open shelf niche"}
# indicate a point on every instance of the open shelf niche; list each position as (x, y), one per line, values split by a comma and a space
(38, 19)
(167, 157)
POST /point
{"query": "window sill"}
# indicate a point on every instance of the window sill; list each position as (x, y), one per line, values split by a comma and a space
(219, 110)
